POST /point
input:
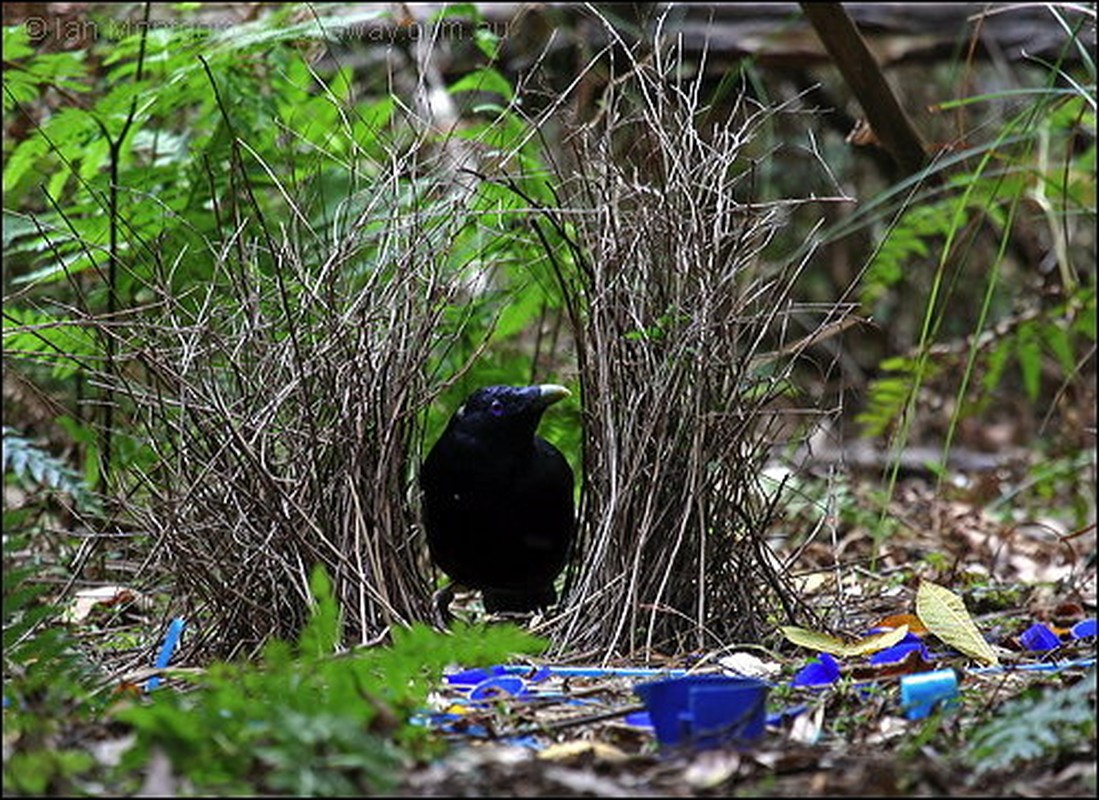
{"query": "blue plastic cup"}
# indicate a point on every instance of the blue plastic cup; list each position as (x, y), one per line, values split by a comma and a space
(705, 711)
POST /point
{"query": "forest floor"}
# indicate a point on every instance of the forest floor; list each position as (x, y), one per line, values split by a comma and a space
(1018, 728)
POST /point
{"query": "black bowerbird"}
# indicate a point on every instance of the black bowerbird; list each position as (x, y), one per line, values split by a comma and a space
(498, 499)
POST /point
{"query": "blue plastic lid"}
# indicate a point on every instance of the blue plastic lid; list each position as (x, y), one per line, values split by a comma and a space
(1083, 629)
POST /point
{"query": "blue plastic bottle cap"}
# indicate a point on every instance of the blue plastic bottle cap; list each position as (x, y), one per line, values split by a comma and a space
(1083, 629)
(1039, 637)
(920, 693)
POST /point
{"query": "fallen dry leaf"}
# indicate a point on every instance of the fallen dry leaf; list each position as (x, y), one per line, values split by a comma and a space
(711, 768)
(945, 615)
(580, 748)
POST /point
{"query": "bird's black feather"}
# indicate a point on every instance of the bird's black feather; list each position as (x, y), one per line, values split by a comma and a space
(498, 499)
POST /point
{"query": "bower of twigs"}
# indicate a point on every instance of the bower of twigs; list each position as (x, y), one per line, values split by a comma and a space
(284, 400)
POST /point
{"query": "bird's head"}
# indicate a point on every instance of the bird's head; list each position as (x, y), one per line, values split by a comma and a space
(507, 412)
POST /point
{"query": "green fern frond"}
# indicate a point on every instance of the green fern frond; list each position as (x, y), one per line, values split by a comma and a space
(1026, 730)
(32, 465)
(889, 395)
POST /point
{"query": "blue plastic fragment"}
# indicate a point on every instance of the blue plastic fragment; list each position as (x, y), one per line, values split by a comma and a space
(920, 692)
(450, 723)
(705, 721)
(821, 672)
(529, 673)
(777, 718)
(540, 674)
(899, 652)
(471, 677)
(1083, 629)
(527, 741)
(1039, 637)
(498, 686)
(167, 650)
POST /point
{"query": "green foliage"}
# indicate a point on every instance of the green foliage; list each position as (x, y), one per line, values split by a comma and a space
(890, 394)
(305, 720)
(1053, 487)
(911, 237)
(48, 339)
(41, 662)
(935, 239)
(22, 85)
(235, 125)
(43, 771)
(46, 678)
(176, 165)
(1032, 728)
(35, 468)
(484, 80)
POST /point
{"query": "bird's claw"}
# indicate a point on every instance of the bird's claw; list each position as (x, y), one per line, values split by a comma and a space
(440, 605)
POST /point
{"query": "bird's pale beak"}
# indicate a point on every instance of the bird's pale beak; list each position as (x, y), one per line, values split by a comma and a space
(550, 393)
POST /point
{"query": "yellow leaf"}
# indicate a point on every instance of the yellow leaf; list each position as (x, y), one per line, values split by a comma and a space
(823, 643)
(945, 615)
(570, 751)
(813, 640)
(876, 642)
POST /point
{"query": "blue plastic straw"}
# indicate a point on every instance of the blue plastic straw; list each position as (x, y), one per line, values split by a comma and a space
(1043, 667)
(167, 650)
(600, 672)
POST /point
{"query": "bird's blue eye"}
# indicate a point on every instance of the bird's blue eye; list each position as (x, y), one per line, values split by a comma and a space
(497, 408)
